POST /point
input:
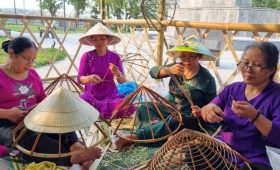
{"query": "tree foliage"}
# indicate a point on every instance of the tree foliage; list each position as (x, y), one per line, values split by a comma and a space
(121, 9)
(51, 5)
(79, 6)
(132, 9)
(266, 3)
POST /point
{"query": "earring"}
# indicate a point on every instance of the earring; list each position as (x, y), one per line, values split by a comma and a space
(9, 67)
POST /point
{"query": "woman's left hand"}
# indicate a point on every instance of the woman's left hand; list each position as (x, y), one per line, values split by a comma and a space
(115, 69)
(244, 109)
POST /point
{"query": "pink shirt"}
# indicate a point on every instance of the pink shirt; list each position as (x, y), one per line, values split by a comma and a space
(20, 93)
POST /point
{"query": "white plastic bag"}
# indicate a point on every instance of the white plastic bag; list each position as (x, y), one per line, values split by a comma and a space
(76, 167)
(274, 157)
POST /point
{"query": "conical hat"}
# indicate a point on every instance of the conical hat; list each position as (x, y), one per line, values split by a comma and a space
(192, 46)
(99, 29)
(61, 112)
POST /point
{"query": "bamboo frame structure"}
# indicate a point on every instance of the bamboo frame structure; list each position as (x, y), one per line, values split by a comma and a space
(160, 40)
(70, 82)
(136, 67)
(61, 112)
(200, 25)
(102, 9)
(21, 130)
(142, 97)
(229, 31)
(74, 86)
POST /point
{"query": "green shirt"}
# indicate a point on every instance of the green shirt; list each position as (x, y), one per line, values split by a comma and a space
(202, 88)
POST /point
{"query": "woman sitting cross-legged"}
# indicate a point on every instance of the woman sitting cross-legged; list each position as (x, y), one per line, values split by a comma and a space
(97, 71)
(190, 76)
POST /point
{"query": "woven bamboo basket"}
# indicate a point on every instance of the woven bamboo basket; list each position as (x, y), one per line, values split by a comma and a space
(189, 149)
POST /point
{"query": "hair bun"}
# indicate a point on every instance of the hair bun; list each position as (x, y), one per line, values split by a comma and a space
(5, 45)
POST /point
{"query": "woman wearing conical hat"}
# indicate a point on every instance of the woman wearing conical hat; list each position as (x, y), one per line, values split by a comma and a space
(98, 69)
(192, 77)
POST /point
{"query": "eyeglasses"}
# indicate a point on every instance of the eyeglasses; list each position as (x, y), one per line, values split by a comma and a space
(32, 60)
(242, 66)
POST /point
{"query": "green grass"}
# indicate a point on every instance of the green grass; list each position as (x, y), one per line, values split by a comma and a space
(36, 28)
(41, 59)
(3, 55)
(18, 28)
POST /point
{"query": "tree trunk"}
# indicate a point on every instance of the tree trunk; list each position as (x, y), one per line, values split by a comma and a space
(108, 11)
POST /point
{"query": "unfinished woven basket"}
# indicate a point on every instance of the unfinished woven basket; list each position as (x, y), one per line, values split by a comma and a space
(189, 149)
(142, 96)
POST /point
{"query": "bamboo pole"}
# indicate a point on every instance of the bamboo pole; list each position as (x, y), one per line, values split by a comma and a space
(250, 27)
(102, 9)
(29, 17)
(127, 22)
(265, 27)
(160, 37)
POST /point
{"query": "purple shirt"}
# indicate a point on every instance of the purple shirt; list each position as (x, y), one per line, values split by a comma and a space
(92, 64)
(103, 96)
(20, 93)
(239, 132)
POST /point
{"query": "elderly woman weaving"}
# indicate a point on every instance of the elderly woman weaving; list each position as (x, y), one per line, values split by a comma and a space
(251, 109)
(191, 86)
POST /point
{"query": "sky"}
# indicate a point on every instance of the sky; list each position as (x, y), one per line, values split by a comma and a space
(27, 4)
(24, 4)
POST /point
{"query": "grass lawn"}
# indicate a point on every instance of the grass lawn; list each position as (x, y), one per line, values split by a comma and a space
(36, 28)
(2, 53)
(41, 58)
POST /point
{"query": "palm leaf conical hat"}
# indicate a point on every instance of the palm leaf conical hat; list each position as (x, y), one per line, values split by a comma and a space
(61, 112)
(99, 29)
(192, 46)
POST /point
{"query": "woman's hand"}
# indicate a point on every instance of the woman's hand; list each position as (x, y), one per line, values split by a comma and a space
(82, 154)
(15, 114)
(177, 69)
(115, 69)
(196, 110)
(95, 79)
(212, 113)
(244, 109)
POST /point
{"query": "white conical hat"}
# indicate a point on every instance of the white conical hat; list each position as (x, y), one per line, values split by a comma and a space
(61, 112)
(99, 29)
